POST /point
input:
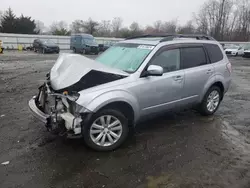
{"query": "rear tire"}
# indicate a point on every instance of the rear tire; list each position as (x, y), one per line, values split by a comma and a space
(114, 137)
(211, 101)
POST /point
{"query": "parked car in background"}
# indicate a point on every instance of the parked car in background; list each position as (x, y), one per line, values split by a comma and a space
(246, 51)
(45, 46)
(108, 44)
(103, 47)
(83, 43)
(223, 46)
(234, 50)
(1, 47)
(137, 78)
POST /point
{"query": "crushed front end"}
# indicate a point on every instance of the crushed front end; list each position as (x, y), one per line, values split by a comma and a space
(58, 111)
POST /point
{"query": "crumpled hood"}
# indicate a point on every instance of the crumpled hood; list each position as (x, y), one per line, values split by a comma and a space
(70, 69)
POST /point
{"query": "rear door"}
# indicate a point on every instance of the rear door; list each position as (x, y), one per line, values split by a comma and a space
(197, 69)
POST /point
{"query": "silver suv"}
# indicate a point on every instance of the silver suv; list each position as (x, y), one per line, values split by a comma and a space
(137, 78)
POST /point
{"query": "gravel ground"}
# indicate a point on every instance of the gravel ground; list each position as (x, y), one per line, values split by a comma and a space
(180, 149)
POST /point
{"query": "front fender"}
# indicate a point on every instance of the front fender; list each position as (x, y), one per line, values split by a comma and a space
(114, 96)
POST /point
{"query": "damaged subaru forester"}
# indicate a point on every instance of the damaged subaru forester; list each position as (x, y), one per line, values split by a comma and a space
(100, 100)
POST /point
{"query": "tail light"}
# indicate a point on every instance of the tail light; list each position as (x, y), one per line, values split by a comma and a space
(229, 67)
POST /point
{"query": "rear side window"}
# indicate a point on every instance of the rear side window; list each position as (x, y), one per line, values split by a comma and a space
(193, 57)
(214, 52)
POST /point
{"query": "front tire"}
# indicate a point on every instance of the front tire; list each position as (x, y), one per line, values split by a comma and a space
(211, 101)
(106, 130)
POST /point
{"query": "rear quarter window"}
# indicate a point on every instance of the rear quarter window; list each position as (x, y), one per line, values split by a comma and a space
(214, 52)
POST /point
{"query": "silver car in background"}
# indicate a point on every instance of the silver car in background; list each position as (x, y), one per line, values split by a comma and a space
(133, 80)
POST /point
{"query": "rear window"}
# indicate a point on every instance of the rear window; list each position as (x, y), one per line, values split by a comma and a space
(214, 52)
(193, 57)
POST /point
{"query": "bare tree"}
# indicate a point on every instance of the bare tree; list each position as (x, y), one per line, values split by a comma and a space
(135, 29)
(59, 28)
(116, 25)
(1, 14)
(243, 21)
(202, 25)
(187, 29)
(169, 26)
(104, 28)
(149, 30)
(214, 17)
(77, 26)
(90, 26)
(40, 27)
(158, 26)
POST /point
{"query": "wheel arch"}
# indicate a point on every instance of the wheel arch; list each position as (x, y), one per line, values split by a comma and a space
(217, 83)
(120, 100)
(124, 108)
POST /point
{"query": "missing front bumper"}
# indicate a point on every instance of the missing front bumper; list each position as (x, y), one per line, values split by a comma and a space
(37, 112)
(70, 122)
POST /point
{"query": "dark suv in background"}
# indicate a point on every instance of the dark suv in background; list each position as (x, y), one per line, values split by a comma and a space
(45, 46)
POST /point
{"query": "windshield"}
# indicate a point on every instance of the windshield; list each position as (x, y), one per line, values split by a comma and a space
(48, 42)
(89, 40)
(126, 57)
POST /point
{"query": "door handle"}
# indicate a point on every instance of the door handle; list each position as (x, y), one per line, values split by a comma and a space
(209, 71)
(178, 78)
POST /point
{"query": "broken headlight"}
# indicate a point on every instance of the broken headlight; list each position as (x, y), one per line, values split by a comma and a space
(79, 109)
(73, 96)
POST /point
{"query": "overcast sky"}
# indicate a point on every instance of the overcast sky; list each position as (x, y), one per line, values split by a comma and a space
(145, 12)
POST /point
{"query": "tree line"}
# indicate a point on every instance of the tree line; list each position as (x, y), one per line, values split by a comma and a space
(221, 19)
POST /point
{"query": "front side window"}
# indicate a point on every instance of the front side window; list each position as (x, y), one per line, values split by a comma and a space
(169, 60)
(193, 57)
(124, 56)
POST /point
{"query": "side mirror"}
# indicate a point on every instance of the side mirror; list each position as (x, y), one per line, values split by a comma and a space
(154, 70)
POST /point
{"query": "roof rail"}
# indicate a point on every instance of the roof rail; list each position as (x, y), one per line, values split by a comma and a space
(169, 37)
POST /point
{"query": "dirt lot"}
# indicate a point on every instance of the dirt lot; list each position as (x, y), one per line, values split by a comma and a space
(178, 150)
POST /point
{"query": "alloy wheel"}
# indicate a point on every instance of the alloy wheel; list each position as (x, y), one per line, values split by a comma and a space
(213, 101)
(106, 130)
